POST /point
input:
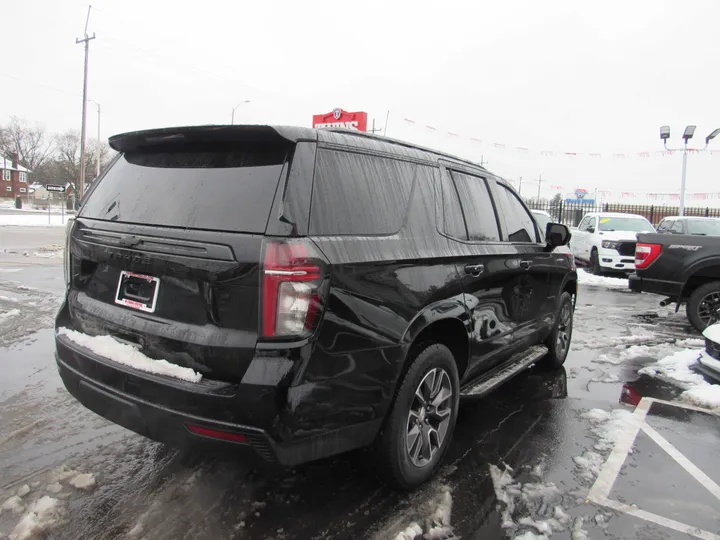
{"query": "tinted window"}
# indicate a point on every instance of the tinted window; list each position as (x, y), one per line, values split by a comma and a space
(677, 227)
(709, 227)
(631, 224)
(663, 225)
(221, 189)
(453, 219)
(520, 224)
(356, 194)
(477, 207)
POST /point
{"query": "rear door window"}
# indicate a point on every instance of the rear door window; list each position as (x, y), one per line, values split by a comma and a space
(677, 227)
(477, 207)
(519, 222)
(358, 194)
(215, 188)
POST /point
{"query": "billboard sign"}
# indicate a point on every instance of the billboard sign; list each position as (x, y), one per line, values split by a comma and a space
(337, 118)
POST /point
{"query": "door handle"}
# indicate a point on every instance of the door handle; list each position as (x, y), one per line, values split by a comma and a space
(475, 269)
(525, 264)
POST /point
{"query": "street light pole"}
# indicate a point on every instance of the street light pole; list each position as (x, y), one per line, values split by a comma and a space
(682, 181)
(232, 115)
(687, 135)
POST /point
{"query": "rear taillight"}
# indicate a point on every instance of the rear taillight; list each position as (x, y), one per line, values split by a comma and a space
(291, 279)
(66, 256)
(645, 254)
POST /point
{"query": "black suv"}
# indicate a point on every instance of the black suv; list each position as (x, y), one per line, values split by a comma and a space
(326, 290)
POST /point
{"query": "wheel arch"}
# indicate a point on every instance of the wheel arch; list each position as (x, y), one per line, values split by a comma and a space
(446, 322)
(699, 274)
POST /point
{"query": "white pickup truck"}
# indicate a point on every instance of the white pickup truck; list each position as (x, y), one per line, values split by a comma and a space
(606, 241)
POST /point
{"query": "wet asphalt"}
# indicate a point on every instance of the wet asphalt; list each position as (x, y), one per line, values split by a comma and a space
(533, 426)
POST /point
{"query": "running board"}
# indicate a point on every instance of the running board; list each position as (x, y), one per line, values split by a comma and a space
(498, 375)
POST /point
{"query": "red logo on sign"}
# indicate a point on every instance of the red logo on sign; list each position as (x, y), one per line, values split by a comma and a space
(338, 118)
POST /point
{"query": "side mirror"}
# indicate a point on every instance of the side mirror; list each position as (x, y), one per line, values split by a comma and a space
(557, 235)
(591, 229)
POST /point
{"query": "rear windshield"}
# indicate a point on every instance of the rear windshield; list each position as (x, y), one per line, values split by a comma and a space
(625, 224)
(708, 227)
(226, 189)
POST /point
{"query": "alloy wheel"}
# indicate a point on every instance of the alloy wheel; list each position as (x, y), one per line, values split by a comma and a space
(429, 417)
(709, 308)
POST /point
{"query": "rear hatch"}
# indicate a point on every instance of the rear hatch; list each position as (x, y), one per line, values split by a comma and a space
(166, 250)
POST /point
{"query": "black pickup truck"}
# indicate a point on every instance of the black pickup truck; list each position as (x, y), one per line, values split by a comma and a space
(684, 269)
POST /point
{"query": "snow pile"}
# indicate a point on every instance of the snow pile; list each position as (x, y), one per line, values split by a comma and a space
(677, 367)
(531, 510)
(109, 348)
(43, 516)
(607, 427)
(410, 533)
(436, 520)
(589, 465)
(14, 504)
(577, 532)
(9, 314)
(623, 354)
(32, 220)
(585, 278)
(23, 490)
(85, 481)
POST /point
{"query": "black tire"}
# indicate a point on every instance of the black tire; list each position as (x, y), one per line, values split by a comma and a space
(393, 441)
(558, 343)
(703, 307)
(594, 265)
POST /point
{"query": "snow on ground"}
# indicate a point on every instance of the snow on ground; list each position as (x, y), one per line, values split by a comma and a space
(84, 481)
(436, 520)
(529, 511)
(677, 368)
(607, 427)
(109, 348)
(585, 278)
(33, 220)
(5, 315)
(43, 516)
(622, 353)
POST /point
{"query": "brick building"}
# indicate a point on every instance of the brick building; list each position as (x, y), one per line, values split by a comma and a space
(13, 179)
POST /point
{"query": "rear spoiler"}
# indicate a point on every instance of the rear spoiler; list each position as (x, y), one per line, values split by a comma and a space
(138, 140)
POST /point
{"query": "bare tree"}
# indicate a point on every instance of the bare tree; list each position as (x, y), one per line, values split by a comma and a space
(29, 143)
(65, 166)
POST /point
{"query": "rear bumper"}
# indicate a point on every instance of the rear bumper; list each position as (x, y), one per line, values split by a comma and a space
(163, 409)
(671, 289)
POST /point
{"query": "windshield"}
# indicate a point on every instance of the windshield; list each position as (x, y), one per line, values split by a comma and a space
(542, 220)
(625, 224)
(709, 227)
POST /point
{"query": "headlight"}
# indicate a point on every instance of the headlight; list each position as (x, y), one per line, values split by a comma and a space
(609, 244)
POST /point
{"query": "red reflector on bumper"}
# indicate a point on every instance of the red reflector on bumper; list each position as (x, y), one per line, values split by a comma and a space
(214, 434)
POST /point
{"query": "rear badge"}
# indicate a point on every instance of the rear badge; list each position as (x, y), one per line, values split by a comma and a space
(137, 291)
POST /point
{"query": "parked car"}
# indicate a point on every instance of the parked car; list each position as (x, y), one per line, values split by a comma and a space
(709, 363)
(684, 269)
(317, 291)
(700, 226)
(542, 218)
(605, 242)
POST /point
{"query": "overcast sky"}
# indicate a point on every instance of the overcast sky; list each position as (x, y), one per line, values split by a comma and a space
(551, 75)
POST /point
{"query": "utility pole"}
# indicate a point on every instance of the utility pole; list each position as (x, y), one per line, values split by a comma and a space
(520, 187)
(539, 184)
(387, 119)
(86, 40)
(99, 144)
(483, 162)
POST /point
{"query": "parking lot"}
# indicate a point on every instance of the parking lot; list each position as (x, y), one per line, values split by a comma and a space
(593, 450)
